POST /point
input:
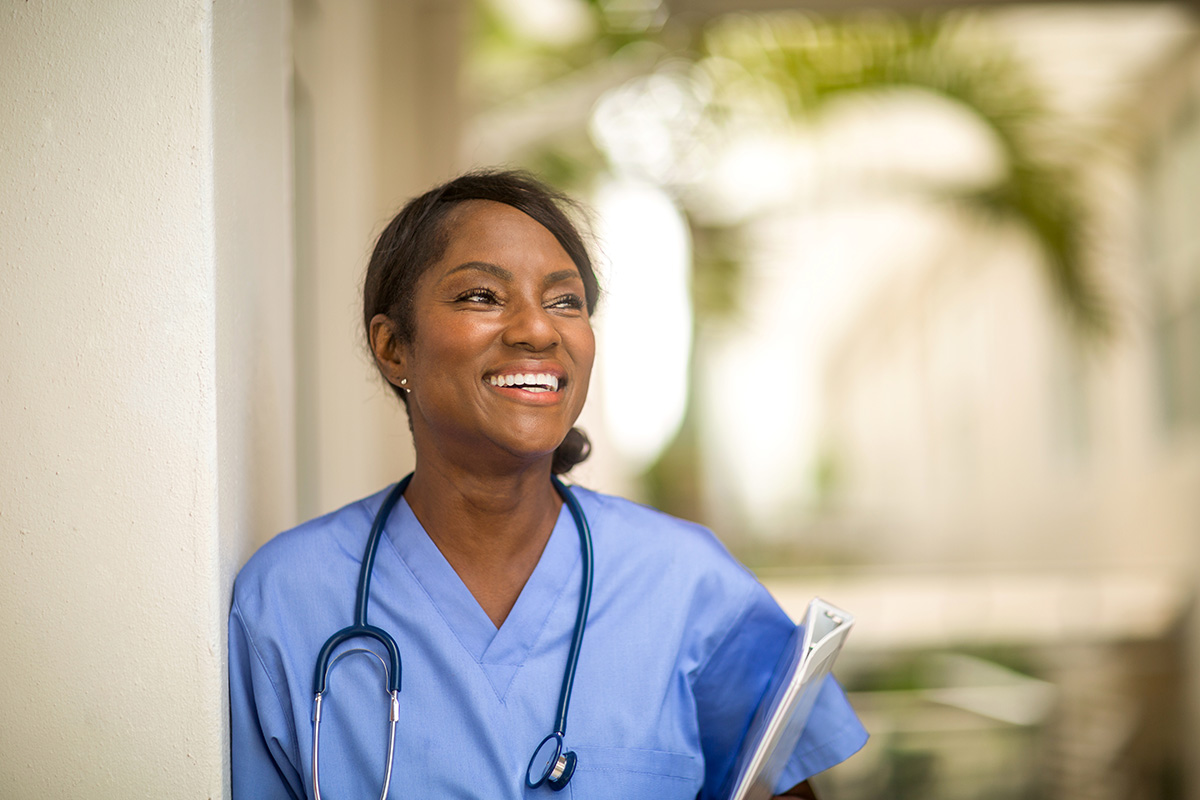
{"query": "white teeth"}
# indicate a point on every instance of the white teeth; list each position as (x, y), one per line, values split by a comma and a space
(539, 382)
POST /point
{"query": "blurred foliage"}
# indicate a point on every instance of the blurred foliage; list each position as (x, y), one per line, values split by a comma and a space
(570, 164)
(717, 254)
(915, 670)
(797, 64)
(805, 62)
(514, 61)
(673, 482)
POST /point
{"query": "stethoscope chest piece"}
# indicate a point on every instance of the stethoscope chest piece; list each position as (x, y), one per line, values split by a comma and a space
(550, 764)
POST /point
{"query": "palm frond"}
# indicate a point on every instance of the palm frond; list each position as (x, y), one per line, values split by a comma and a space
(807, 62)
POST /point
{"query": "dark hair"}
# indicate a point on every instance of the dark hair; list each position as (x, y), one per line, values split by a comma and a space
(418, 236)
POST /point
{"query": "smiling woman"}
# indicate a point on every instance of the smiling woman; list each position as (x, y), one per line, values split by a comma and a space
(419, 236)
(501, 304)
(477, 307)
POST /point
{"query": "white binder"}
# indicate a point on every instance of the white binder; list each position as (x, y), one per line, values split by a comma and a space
(781, 716)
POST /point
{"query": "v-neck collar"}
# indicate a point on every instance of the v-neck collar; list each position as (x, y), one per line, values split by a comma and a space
(499, 651)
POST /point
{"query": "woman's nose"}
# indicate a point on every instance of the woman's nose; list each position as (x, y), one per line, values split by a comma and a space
(531, 327)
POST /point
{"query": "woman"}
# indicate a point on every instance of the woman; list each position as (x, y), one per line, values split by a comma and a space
(476, 306)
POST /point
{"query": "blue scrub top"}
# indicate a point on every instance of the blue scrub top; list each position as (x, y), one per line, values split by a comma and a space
(679, 645)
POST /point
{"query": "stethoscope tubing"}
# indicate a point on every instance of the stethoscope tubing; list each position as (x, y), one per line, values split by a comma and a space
(392, 669)
(393, 718)
(585, 601)
(360, 626)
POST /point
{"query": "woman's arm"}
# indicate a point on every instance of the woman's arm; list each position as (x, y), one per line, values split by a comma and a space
(800, 790)
(260, 771)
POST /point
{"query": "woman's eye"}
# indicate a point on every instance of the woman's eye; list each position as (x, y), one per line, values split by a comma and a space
(477, 296)
(571, 301)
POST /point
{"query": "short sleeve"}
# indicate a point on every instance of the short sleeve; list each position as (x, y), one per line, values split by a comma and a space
(731, 683)
(260, 766)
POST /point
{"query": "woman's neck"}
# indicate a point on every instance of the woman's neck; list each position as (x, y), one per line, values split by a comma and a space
(492, 529)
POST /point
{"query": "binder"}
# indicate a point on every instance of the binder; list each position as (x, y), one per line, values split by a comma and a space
(788, 701)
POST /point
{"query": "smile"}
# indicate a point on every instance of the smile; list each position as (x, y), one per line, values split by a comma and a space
(530, 382)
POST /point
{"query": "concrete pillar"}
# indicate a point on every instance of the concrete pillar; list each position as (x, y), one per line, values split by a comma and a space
(146, 388)
(377, 121)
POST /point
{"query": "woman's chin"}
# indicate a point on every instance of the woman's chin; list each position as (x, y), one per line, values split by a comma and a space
(533, 455)
(500, 457)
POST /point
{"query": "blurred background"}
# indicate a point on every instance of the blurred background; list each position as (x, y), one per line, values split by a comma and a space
(902, 298)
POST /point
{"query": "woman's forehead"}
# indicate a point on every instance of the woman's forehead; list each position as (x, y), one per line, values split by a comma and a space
(484, 230)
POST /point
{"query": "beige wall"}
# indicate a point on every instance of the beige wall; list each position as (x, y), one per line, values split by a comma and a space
(182, 370)
(376, 89)
(146, 230)
(255, 380)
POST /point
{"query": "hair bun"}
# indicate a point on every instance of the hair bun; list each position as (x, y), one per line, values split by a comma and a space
(574, 450)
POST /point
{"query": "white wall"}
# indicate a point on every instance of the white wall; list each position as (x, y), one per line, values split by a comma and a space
(145, 218)
(376, 123)
(182, 376)
(256, 403)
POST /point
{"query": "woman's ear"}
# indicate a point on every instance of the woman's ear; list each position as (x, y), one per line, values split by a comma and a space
(390, 352)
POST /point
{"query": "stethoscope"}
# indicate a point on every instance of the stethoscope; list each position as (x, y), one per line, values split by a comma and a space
(551, 763)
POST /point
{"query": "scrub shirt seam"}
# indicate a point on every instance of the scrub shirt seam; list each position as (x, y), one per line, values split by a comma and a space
(436, 607)
(553, 604)
(635, 771)
(746, 605)
(831, 743)
(479, 662)
(237, 610)
(537, 637)
(577, 559)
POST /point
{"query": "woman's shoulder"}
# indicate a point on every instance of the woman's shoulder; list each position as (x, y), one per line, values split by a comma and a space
(639, 530)
(700, 591)
(301, 557)
(639, 518)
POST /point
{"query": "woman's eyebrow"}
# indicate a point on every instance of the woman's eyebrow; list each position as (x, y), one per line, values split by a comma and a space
(497, 271)
(482, 266)
(560, 276)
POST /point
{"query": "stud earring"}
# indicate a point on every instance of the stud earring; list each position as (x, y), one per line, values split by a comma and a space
(404, 385)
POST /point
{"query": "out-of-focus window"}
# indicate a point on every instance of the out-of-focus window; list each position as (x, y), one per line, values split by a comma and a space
(1172, 248)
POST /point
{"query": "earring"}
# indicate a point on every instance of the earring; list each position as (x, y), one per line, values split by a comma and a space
(404, 385)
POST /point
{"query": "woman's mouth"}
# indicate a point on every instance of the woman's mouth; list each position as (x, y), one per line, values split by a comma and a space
(529, 381)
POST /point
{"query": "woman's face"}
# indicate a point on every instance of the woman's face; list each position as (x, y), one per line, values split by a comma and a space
(502, 347)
